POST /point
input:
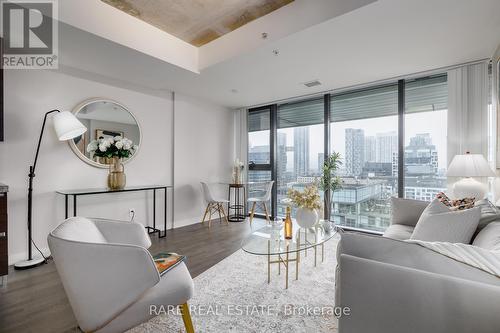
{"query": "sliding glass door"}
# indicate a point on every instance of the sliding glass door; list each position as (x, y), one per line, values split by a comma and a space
(364, 130)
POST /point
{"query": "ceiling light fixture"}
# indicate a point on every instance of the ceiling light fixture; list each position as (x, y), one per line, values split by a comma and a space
(276, 52)
(312, 83)
(264, 35)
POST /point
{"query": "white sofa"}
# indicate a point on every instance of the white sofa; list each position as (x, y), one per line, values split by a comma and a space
(394, 286)
(110, 277)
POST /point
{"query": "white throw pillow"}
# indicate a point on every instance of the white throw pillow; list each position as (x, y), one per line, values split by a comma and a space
(440, 224)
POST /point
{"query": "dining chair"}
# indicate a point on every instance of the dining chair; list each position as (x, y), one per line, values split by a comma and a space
(262, 201)
(214, 205)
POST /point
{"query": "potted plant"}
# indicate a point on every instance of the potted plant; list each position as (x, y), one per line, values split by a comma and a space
(111, 151)
(307, 202)
(329, 180)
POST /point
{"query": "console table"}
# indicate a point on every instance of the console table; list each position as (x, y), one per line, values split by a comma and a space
(94, 191)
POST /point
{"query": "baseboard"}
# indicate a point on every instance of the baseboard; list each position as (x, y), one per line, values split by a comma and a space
(186, 222)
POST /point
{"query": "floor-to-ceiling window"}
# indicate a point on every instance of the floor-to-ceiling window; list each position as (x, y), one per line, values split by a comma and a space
(364, 130)
(260, 151)
(299, 151)
(426, 104)
(369, 127)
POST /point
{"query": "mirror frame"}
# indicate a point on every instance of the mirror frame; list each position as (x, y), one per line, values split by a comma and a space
(75, 149)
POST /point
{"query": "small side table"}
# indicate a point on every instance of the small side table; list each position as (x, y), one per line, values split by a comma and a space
(236, 209)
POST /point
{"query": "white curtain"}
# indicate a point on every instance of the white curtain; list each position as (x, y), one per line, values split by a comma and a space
(468, 110)
(241, 139)
(468, 96)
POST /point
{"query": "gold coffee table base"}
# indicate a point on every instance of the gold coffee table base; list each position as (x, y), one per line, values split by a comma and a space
(285, 259)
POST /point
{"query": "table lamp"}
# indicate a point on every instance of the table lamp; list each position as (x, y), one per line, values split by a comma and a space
(468, 166)
(67, 127)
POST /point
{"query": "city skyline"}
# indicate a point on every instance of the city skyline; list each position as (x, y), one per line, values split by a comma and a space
(428, 122)
(369, 171)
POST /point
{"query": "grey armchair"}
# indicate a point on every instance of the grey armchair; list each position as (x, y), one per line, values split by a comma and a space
(109, 276)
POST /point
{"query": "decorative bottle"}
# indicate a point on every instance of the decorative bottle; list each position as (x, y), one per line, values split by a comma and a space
(288, 224)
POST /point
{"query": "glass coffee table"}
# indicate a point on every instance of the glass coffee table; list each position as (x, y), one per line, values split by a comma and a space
(270, 241)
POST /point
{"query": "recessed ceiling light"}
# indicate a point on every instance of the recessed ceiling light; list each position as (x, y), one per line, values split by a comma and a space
(276, 52)
(312, 83)
(264, 35)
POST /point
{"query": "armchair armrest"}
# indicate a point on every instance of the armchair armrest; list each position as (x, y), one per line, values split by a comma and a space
(389, 298)
(123, 232)
(101, 280)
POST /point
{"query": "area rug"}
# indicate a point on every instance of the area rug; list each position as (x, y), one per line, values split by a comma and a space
(234, 296)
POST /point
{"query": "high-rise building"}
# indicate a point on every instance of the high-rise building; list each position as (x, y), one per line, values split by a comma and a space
(281, 153)
(354, 151)
(321, 161)
(387, 144)
(301, 151)
(370, 149)
(421, 156)
(259, 154)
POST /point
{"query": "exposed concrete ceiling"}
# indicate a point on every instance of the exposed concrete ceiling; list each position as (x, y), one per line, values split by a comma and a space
(198, 22)
(384, 39)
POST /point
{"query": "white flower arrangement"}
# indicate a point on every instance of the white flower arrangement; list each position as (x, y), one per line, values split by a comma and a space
(111, 147)
(238, 164)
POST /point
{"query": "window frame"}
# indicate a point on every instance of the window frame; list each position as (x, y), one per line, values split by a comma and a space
(327, 100)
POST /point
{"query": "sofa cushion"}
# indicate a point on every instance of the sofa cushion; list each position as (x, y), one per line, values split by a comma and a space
(489, 237)
(440, 224)
(489, 213)
(399, 231)
(79, 229)
(406, 211)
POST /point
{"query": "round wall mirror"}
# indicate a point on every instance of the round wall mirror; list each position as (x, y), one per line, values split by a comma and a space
(112, 131)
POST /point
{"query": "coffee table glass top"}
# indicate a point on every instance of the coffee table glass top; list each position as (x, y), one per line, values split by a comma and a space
(270, 240)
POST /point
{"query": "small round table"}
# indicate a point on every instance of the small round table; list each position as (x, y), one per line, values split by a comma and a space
(236, 209)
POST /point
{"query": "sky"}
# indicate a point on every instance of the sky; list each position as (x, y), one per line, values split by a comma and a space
(434, 123)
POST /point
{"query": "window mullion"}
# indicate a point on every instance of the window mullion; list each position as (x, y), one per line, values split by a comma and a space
(401, 138)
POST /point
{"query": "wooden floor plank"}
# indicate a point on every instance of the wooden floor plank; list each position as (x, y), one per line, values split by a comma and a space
(34, 300)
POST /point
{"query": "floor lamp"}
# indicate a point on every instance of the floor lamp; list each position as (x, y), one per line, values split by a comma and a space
(67, 127)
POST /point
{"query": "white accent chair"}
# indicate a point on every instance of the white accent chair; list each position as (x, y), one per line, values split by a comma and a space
(214, 205)
(262, 200)
(110, 278)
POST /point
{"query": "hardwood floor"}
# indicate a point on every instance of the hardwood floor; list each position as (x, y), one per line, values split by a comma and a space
(34, 300)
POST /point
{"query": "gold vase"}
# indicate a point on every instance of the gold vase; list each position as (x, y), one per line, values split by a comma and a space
(116, 176)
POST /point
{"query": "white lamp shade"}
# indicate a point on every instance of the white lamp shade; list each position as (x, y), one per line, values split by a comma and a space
(469, 165)
(67, 126)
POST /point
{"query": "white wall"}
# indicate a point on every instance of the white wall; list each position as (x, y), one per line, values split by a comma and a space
(203, 152)
(30, 93)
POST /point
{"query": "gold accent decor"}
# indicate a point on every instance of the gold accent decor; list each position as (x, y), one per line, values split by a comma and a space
(116, 176)
(186, 318)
